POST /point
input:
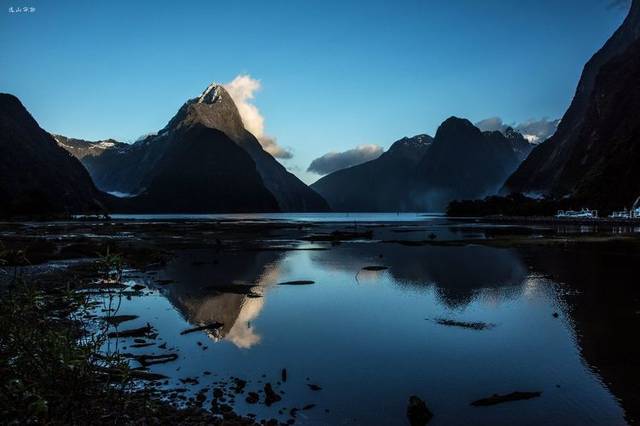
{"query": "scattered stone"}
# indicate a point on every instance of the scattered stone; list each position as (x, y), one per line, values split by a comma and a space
(284, 374)
(308, 406)
(118, 319)
(134, 332)
(147, 360)
(314, 387)
(375, 268)
(270, 396)
(417, 412)
(297, 282)
(141, 345)
(464, 324)
(212, 326)
(555, 315)
(252, 398)
(190, 381)
(239, 385)
(498, 399)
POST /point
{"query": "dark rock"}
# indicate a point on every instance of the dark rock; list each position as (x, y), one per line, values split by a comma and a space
(374, 268)
(252, 398)
(270, 396)
(134, 332)
(212, 326)
(464, 324)
(297, 282)
(498, 399)
(147, 360)
(417, 412)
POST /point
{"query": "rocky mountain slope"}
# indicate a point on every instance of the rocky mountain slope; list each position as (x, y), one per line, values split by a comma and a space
(594, 154)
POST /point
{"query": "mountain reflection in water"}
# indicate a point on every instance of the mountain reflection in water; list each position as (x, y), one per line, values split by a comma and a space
(201, 281)
(370, 337)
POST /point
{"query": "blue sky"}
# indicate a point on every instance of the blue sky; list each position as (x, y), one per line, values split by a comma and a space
(334, 74)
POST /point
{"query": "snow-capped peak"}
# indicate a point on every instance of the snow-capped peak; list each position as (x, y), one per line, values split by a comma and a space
(210, 95)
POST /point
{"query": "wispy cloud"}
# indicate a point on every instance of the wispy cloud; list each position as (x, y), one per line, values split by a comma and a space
(242, 90)
(534, 131)
(332, 161)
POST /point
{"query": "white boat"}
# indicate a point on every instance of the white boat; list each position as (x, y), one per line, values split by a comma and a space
(622, 214)
(578, 214)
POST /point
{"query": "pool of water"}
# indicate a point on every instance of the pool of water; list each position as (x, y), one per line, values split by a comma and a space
(370, 339)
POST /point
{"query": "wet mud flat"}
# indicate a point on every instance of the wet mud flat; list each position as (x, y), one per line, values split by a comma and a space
(200, 307)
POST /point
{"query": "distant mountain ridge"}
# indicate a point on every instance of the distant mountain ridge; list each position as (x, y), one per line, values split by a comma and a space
(131, 169)
(378, 185)
(424, 173)
(81, 148)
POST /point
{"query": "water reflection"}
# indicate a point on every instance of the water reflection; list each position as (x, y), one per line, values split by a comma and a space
(210, 286)
(458, 274)
(373, 325)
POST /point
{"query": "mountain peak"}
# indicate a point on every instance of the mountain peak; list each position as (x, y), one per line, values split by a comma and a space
(416, 142)
(214, 108)
(212, 94)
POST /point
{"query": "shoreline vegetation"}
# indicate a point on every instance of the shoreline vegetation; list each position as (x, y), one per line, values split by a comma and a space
(53, 369)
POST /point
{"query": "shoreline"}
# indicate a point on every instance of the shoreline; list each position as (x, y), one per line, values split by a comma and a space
(548, 220)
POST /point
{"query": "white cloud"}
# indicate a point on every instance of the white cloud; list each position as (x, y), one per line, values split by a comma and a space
(332, 161)
(242, 90)
(535, 131)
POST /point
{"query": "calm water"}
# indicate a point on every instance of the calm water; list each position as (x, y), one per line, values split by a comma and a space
(370, 339)
(303, 217)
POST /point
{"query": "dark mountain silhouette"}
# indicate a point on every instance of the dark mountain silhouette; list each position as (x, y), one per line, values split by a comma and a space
(37, 177)
(377, 185)
(201, 171)
(462, 163)
(595, 153)
(131, 170)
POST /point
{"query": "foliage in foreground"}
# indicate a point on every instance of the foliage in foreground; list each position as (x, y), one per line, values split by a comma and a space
(52, 369)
